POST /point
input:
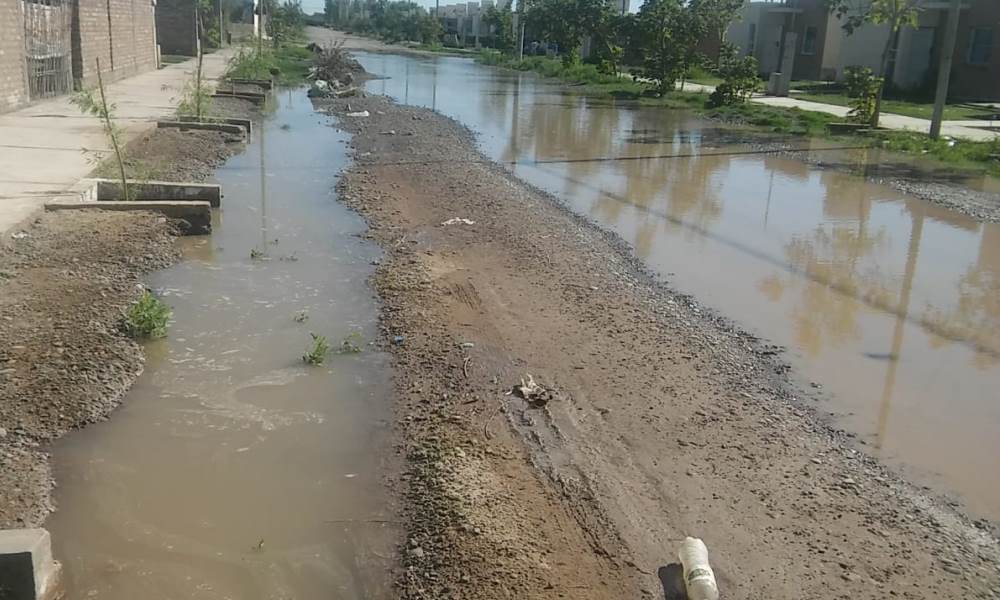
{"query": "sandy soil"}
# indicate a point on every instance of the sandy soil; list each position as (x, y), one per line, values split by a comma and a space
(660, 420)
(64, 282)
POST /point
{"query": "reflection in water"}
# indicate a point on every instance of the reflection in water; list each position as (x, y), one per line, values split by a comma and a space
(890, 303)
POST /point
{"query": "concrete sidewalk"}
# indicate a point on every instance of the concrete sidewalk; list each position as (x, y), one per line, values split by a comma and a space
(973, 130)
(41, 145)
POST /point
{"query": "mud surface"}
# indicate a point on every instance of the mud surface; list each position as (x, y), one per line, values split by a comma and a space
(660, 421)
(64, 282)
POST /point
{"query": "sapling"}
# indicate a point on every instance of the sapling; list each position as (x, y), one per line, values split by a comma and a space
(105, 111)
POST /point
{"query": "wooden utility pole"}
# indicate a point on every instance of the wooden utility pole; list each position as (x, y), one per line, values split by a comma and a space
(944, 69)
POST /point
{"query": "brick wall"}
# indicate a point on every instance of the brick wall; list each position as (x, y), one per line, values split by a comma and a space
(121, 33)
(176, 30)
(13, 85)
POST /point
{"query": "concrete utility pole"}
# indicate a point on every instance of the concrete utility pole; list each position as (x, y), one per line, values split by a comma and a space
(944, 70)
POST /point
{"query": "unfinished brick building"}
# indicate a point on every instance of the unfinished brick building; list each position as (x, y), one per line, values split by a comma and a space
(50, 47)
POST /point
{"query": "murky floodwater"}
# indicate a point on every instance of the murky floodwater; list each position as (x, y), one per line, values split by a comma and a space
(889, 303)
(233, 471)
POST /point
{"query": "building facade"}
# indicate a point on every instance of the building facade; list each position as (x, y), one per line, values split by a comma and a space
(821, 48)
(50, 47)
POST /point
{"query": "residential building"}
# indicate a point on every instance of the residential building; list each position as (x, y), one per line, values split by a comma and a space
(50, 47)
(821, 48)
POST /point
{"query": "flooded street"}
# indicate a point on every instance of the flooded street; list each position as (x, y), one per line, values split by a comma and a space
(886, 304)
(232, 470)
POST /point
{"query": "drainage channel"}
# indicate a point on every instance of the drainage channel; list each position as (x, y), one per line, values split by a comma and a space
(234, 470)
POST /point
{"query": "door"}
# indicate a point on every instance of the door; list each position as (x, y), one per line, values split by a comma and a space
(47, 46)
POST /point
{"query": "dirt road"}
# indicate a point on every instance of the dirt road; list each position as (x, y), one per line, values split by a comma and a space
(660, 419)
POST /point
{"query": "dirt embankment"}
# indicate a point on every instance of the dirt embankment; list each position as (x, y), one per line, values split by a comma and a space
(64, 281)
(662, 419)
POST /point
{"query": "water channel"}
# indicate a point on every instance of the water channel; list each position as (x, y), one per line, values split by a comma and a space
(233, 470)
(889, 304)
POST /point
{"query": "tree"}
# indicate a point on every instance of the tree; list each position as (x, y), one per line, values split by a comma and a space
(502, 23)
(330, 11)
(717, 15)
(668, 33)
(896, 14)
(566, 22)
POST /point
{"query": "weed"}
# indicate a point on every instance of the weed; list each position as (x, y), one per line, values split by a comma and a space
(285, 126)
(351, 343)
(257, 254)
(301, 317)
(317, 351)
(147, 318)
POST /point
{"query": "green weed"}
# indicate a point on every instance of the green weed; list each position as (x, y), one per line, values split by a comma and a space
(351, 343)
(147, 318)
(317, 352)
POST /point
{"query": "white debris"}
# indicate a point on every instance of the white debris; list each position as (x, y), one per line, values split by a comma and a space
(459, 220)
(361, 114)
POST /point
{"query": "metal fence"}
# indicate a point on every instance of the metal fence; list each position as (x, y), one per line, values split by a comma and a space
(48, 47)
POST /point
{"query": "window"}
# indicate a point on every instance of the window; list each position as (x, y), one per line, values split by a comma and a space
(980, 45)
(809, 41)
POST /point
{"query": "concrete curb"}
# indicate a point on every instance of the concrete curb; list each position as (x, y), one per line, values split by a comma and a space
(27, 569)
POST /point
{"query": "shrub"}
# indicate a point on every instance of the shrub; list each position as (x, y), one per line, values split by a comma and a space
(739, 78)
(857, 80)
(147, 318)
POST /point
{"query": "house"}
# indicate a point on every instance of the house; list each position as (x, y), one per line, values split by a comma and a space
(50, 47)
(820, 49)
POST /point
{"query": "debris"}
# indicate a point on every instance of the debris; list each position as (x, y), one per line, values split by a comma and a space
(19, 235)
(536, 395)
(360, 114)
(699, 580)
(398, 340)
(457, 220)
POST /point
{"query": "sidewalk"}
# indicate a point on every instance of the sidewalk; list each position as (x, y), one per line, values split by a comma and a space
(963, 129)
(41, 145)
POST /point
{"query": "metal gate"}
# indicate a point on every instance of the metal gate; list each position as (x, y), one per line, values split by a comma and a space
(48, 47)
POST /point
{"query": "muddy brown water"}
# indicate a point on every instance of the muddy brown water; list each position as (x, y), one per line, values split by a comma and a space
(232, 470)
(888, 306)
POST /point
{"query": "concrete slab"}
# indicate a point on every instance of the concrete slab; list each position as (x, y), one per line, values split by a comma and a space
(197, 213)
(40, 145)
(103, 190)
(185, 125)
(246, 124)
(27, 569)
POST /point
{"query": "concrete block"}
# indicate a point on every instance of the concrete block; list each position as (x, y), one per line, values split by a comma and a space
(27, 569)
(246, 124)
(261, 83)
(184, 125)
(197, 214)
(255, 97)
(110, 189)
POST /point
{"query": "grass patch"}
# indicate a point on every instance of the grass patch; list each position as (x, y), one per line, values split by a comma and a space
(833, 93)
(289, 63)
(147, 318)
(773, 119)
(961, 153)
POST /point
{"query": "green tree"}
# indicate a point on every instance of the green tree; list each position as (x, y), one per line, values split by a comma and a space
(668, 34)
(896, 14)
(330, 11)
(502, 23)
(716, 15)
(566, 22)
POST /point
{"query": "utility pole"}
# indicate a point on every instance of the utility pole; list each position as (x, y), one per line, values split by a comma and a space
(944, 70)
(222, 34)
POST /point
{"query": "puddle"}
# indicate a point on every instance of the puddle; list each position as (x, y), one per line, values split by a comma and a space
(889, 303)
(233, 471)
